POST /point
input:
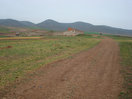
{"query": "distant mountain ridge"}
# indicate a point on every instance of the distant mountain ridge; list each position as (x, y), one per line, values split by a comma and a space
(57, 26)
(11, 22)
(27, 23)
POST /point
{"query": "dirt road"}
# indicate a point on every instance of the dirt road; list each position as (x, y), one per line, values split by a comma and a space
(92, 74)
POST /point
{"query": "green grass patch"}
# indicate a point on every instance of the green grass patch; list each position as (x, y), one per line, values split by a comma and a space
(91, 36)
(126, 55)
(27, 55)
(91, 33)
(125, 44)
(120, 38)
(1, 36)
(4, 30)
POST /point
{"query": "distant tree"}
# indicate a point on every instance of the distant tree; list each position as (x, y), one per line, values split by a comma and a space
(51, 31)
(100, 33)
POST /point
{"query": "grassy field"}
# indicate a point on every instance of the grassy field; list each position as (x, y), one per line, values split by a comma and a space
(19, 38)
(4, 30)
(24, 56)
(125, 44)
(91, 33)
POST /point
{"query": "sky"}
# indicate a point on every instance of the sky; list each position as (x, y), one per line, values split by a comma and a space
(115, 13)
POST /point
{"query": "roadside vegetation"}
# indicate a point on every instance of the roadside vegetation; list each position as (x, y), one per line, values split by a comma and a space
(20, 56)
(125, 44)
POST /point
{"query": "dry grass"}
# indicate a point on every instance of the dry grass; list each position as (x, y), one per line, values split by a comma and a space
(19, 38)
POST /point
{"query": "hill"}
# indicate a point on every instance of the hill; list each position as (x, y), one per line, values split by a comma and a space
(28, 24)
(57, 26)
(16, 23)
(11, 22)
(87, 27)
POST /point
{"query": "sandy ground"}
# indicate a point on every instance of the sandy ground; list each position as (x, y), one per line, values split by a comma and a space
(92, 74)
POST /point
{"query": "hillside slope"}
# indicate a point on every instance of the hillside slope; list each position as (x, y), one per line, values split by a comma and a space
(87, 27)
(57, 26)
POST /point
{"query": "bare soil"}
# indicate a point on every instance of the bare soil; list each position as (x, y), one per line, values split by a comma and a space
(5, 47)
(92, 74)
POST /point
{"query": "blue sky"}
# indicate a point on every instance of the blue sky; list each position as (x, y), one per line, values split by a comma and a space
(116, 13)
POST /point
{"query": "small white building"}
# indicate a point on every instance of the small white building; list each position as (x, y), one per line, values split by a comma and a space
(72, 32)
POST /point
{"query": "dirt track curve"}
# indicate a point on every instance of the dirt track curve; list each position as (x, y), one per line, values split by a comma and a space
(92, 74)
